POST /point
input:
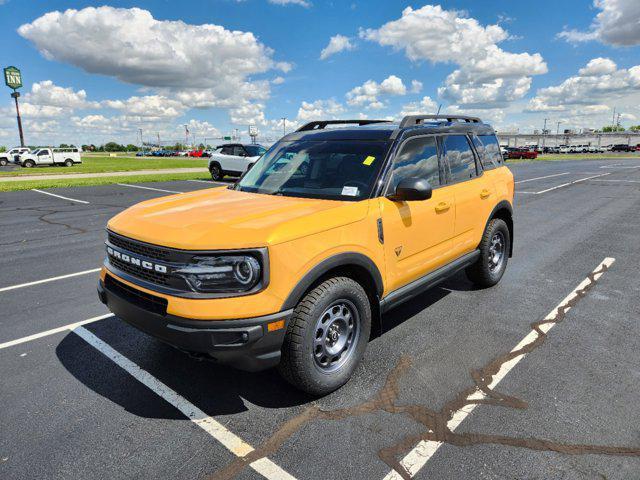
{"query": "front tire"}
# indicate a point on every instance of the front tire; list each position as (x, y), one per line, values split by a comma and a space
(326, 336)
(494, 255)
(29, 164)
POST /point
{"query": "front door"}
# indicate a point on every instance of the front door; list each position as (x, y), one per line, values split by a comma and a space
(45, 157)
(417, 234)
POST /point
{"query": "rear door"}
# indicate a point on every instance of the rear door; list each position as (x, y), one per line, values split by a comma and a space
(473, 191)
(417, 234)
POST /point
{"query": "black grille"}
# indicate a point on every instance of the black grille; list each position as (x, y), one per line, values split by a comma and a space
(139, 272)
(141, 299)
(140, 248)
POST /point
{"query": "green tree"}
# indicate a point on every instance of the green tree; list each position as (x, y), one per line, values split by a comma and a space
(113, 147)
(635, 128)
(3, 148)
(64, 145)
(611, 128)
(132, 148)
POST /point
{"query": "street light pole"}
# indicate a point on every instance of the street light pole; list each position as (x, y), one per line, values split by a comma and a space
(15, 96)
(284, 126)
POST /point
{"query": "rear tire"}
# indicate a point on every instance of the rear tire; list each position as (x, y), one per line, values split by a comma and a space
(494, 255)
(68, 162)
(3, 162)
(216, 172)
(326, 336)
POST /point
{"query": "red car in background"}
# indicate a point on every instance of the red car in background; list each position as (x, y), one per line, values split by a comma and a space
(521, 153)
(195, 153)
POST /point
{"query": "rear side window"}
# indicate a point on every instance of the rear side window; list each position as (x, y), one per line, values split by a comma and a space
(238, 151)
(490, 155)
(460, 161)
(418, 158)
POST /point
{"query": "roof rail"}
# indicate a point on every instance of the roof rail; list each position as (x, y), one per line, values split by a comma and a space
(412, 120)
(321, 124)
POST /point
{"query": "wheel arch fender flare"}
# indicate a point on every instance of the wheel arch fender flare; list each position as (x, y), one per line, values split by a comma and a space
(504, 210)
(343, 260)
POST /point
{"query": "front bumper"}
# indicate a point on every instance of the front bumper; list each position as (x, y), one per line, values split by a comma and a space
(245, 344)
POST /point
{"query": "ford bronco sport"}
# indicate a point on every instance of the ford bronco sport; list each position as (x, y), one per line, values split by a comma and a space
(332, 227)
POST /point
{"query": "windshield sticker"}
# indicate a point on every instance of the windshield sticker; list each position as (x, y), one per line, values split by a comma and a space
(369, 160)
(350, 191)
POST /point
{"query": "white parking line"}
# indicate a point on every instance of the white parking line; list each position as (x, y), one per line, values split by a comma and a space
(229, 440)
(540, 178)
(611, 165)
(59, 196)
(572, 183)
(621, 181)
(51, 279)
(53, 331)
(147, 188)
(203, 181)
(616, 167)
(420, 455)
(566, 184)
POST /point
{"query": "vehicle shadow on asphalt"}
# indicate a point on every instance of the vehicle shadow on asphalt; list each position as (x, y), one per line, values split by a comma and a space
(413, 307)
(216, 389)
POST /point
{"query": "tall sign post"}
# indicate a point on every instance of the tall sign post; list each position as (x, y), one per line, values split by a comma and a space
(13, 79)
(253, 133)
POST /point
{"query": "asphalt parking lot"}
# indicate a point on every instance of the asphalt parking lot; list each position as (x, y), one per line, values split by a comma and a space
(540, 374)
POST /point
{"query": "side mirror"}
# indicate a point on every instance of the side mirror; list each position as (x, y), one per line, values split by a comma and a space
(411, 188)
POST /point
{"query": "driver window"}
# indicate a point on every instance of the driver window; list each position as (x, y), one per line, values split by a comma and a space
(238, 151)
(418, 158)
(43, 152)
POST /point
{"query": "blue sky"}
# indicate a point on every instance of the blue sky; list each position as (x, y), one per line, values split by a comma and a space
(92, 75)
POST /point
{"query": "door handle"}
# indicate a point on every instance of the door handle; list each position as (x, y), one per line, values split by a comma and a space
(485, 193)
(442, 207)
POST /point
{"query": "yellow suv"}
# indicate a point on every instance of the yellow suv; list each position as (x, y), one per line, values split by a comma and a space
(329, 229)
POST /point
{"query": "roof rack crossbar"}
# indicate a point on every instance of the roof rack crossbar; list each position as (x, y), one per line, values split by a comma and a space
(319, 125)
(412, 120)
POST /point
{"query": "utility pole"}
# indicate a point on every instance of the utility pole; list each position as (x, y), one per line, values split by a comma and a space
(544, 133)
(284, 126)
(13, 80)
(158, 133)
(186, 134)
(558, 129)
(141, 141)
(613, 120)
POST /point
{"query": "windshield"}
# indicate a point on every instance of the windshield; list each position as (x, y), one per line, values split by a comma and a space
(338, 170)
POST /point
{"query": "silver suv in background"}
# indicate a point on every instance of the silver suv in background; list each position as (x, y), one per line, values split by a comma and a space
(234, 159)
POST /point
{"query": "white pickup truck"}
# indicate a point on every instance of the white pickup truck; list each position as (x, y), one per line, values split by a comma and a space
(51, 156)
(12, 155)
(233, 159)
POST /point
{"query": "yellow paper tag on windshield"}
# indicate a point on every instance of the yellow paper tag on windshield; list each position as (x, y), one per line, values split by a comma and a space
(369, 160)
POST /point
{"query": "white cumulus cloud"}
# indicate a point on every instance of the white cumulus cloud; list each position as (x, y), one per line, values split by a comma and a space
(488, 76)
(599, 83)
(617, 23)
(369, 93)
(337, 43)
(132, 46)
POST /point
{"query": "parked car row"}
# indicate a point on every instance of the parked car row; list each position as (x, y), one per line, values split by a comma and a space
(513, 152)
(41, 156)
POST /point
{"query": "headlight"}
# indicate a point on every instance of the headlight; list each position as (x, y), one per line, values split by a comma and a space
(223, 274)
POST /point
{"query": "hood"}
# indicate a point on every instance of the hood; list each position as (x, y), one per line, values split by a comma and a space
(220, 218)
